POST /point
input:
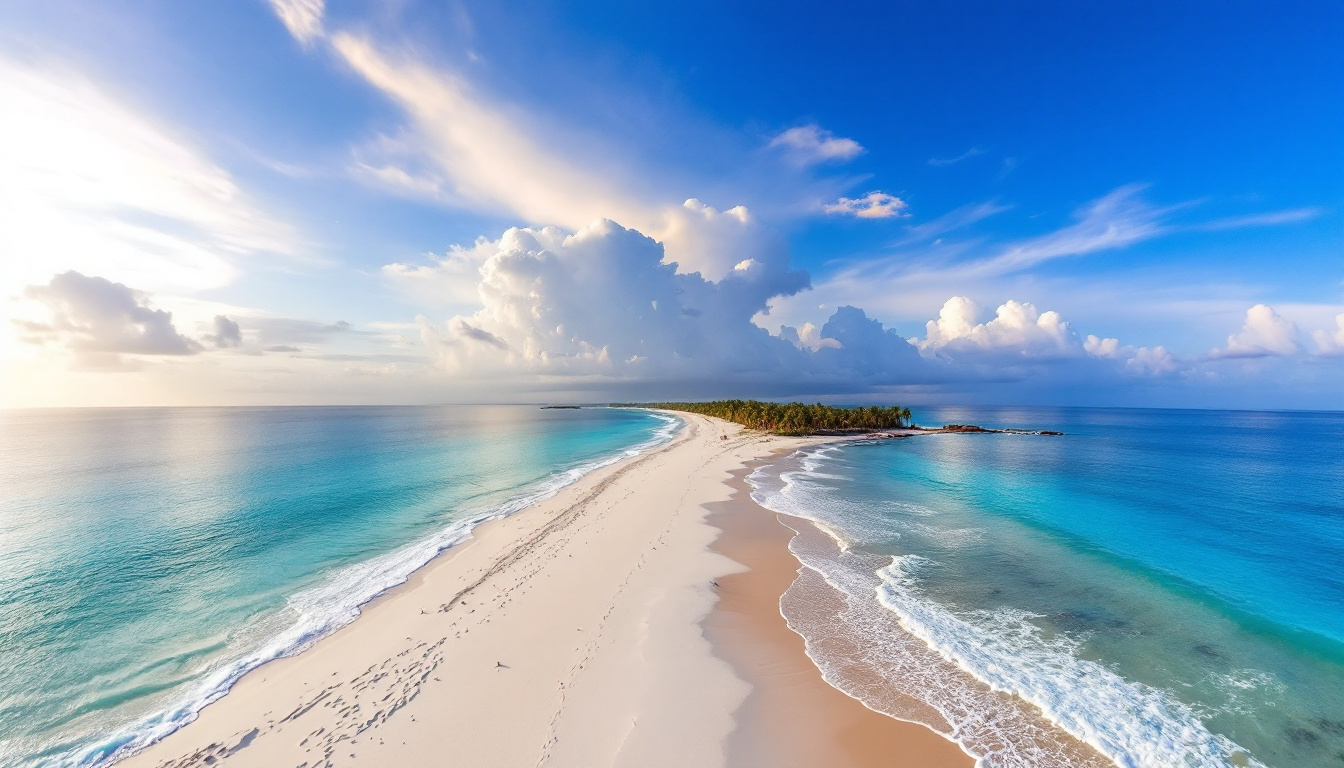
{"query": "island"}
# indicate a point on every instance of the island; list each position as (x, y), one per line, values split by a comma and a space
(800, 419)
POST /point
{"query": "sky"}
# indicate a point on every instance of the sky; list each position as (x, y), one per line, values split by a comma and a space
(303, 202)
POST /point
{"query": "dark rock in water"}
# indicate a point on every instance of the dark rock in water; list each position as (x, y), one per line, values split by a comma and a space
(1208, 650)
(979, 429)
(1332, 727)
(1302, 736)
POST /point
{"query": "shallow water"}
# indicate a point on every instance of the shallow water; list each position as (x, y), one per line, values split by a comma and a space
(1167, 586)
(150, 557)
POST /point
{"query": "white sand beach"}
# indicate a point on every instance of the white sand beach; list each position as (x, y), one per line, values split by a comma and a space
(572, 634)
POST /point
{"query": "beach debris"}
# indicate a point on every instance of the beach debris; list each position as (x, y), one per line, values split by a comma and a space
(501, 665)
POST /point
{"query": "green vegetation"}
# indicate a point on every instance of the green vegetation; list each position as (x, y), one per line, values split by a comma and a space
(794, 418)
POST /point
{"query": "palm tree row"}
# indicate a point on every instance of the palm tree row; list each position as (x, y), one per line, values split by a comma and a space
(795, 418)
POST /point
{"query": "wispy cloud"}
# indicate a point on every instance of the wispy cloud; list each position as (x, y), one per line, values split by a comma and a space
(874, 205)
(951, 221)
(88, 182)
(303, 18)
(811, 144)
(1119, 219)
(1273, 218)
(922, 269)
(484, 156)
(967, 155)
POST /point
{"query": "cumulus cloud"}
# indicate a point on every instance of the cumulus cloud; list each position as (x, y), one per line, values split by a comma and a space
(603, 302)
(719, 244)
(811, 144)
(1264, 334)
(303, 18)
(99, 320)
(874, 205)
(868, 352)
(226, 334)
(808, 337)
(1098, 347)
(604, 305)
(1020, 334)
(1156, 361)
(745, 259)
(1331, 342)
(1017, 327)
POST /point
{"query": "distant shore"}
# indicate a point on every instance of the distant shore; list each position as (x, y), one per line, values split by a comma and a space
(632, 619)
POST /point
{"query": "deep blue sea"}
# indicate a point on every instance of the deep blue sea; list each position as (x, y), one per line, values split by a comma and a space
(1167, 586)
(150, 557)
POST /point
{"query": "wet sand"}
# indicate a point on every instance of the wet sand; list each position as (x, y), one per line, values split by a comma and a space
(793, 718)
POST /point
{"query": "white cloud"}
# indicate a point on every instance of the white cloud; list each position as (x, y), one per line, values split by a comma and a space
(811, 144)
(603, 306)
(464, 149)
(303, 18)
(98, 320)
(449, 280)
(475, 152)
(1119, 219)
(808, 337)
(1271, 219)
(1098, 347)
(602, 302)
(1017, 327)
(1264, 334)
(1156, 361)
(874, 205)
(1020, 334)
(1331, 342)
(730, 248)
(699, 238)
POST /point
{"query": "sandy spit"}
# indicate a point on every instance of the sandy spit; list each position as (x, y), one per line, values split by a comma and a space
(573, 633)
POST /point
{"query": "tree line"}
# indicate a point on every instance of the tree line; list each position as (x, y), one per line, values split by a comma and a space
(794, 418)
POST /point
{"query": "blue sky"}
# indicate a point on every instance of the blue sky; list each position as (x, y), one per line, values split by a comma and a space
(298, 201)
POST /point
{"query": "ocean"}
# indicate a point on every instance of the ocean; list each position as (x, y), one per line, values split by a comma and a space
(150, 557)
(1166, 586)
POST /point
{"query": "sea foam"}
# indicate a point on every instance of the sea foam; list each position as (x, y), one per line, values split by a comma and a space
(991, 680)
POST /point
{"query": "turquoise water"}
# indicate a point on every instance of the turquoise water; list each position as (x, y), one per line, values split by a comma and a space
(1166, 585)
(149, 557)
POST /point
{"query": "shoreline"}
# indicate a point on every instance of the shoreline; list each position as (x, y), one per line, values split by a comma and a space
(574, 632)
(792, 716)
